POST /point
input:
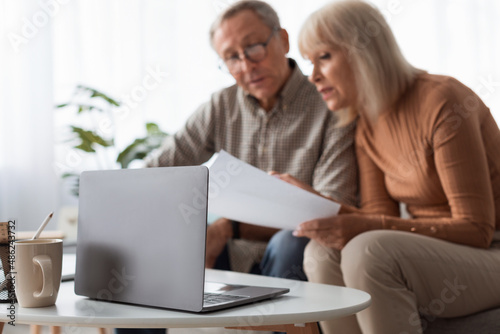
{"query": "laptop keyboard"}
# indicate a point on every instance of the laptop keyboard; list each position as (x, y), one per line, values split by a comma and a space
(217, 298)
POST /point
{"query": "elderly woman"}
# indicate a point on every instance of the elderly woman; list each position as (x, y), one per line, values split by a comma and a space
(424, 140)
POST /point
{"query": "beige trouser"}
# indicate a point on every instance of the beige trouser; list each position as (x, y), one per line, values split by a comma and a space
(406, 275)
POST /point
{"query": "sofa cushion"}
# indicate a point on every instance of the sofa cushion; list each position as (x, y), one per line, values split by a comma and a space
(485, 322)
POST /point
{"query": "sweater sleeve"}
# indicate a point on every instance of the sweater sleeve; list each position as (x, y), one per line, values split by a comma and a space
(461, 162)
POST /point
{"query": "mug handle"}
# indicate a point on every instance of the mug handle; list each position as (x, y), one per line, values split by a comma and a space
(45, 264)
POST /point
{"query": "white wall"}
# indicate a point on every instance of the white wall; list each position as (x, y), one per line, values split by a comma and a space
(115, 45)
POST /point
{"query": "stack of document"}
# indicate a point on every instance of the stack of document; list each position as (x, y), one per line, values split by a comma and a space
(241, 192)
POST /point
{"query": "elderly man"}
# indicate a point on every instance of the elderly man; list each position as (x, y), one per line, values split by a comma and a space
(274, 119)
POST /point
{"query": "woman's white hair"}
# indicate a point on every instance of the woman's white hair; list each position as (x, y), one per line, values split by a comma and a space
(380, 70)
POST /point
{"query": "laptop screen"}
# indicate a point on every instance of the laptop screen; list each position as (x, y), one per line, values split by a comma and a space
(141, 236)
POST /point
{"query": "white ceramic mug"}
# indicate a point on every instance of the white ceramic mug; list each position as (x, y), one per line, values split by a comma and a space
(37, 270)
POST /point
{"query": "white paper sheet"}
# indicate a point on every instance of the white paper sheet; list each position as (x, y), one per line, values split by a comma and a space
(241, 192)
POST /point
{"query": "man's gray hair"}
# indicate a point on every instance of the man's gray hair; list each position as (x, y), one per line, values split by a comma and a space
(263, 10)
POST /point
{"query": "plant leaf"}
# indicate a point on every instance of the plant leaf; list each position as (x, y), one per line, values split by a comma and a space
(88, 107)
(69, 174)
(153, 129)
(89, 139)
(99, 94)
(134, 151)
(75, 190)
(141, 147)
(94, 93)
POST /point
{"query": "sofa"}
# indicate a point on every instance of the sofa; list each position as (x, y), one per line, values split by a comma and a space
(486, 322)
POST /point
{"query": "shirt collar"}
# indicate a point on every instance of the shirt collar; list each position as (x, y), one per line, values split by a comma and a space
(292, 86)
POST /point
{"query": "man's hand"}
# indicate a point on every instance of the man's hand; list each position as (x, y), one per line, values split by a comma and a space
(218, 233)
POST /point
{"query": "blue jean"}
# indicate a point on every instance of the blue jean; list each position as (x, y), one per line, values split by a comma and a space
(284, 256)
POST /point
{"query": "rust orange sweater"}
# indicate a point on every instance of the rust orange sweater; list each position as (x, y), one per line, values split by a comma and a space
(438, 151)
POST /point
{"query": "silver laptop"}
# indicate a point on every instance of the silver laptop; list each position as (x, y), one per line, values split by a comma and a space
(141, 240)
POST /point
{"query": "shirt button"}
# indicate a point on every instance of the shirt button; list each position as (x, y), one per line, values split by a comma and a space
(433, 229)
(413, 229)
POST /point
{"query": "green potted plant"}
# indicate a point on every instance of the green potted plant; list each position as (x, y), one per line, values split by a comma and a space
(90, 141)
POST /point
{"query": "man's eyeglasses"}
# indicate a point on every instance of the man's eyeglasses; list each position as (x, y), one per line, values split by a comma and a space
(254, 53)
